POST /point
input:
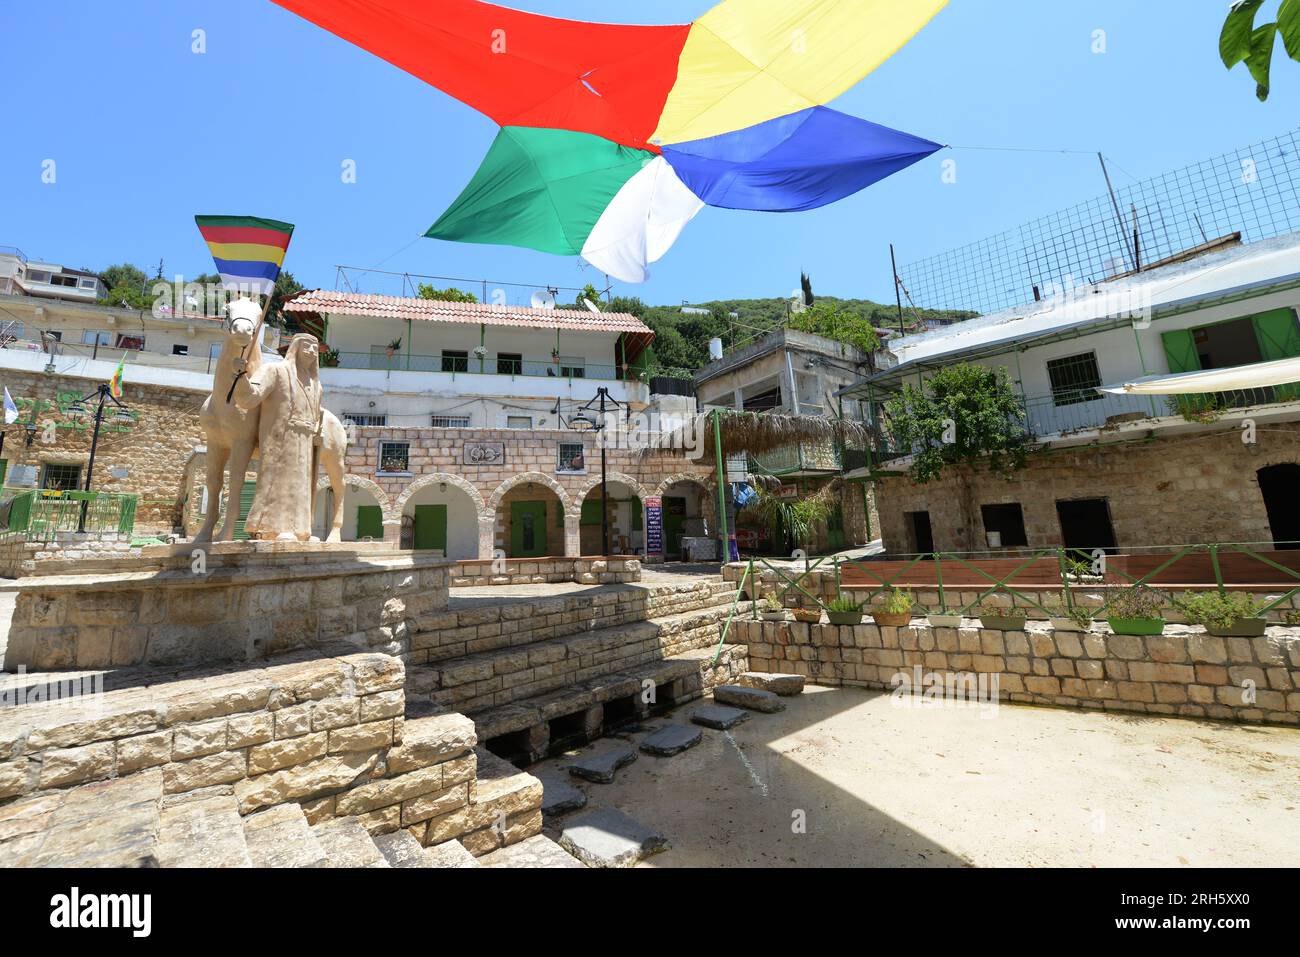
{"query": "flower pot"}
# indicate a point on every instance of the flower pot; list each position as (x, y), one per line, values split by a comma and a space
(944, 621)
(1240, 628)
(844, 617)
(895, 620)
(1002, 622)
(1136, 626)
(810, 615)
(781, 615)
(1068, 624)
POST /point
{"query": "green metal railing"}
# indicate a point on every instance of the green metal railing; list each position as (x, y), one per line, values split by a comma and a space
(1070, 571)
(38, 514)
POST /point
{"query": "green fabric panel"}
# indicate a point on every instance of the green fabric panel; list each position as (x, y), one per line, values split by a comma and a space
(1180, 350)
(541, 189)
(1278, 334)
(370, 522)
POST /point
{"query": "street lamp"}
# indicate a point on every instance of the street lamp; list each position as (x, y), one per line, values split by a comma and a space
(105, 395)
(582, 421)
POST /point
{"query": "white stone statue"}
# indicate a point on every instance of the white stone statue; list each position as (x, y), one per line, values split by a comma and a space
(234, 434)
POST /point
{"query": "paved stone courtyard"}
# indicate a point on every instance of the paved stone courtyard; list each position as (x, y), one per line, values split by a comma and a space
(884, 785)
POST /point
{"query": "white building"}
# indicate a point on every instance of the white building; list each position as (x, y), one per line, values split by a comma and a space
(405, 362)
(22, 277)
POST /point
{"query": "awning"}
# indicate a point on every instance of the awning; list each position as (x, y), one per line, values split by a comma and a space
(1277, 372)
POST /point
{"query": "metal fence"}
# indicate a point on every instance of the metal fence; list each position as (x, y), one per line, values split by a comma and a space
(40, 514)
(1250, 190)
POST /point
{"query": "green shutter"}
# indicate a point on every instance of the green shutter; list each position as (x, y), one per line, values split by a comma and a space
(430, 527)
(1180, 350)
(245, 503)
(1279, 338)
(590, 511)
(370, 522)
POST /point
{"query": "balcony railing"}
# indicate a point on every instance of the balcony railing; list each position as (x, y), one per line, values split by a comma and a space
(461, 365)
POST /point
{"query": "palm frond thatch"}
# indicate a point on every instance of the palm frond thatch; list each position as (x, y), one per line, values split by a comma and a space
(757, 433)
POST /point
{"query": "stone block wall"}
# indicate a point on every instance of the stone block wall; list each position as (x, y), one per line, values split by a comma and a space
(1183, 672)
(20, 557)
(253, 601)
(540, 571)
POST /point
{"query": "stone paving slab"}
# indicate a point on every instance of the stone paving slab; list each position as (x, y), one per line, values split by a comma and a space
(560, 795)
(609, 838)
(599, 766)
(719, 717)
(754, 699)
(671, 739)
(537, 851)
(787, 686)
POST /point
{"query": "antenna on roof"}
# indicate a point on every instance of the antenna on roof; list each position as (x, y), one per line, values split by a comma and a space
(543, 300)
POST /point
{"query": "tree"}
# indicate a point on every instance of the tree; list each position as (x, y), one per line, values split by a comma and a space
(124, 274)
(831, 322)
(1241, 41)
(285, 286)
(450, 294)
(963, 415)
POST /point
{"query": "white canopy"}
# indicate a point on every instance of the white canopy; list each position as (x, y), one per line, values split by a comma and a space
(1277, 372)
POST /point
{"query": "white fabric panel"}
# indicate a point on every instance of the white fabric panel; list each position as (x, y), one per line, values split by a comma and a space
(641, 223)
(1277, 372)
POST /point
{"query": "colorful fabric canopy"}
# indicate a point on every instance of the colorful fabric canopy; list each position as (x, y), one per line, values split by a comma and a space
(795, 162)
(734, 102)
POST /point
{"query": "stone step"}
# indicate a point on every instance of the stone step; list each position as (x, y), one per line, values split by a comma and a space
(112, 823)
(347, 843)
(609, 838)
(402, 849)
(755, 699)
(451, 854)
(203, 832)
(490, 679)
(281, 837)
(522, 729)
(537, 851)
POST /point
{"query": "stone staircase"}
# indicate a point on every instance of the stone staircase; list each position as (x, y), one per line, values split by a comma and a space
(530, 689)
(131, 822)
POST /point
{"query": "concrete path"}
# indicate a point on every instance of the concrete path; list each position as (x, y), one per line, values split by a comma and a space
(873, 783)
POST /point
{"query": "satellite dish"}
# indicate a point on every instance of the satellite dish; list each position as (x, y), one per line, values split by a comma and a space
(590, 305)
(543, 300)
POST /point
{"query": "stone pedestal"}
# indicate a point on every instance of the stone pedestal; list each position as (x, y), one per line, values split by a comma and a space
(233, 601)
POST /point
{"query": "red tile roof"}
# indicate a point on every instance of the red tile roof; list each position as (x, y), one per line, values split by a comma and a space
(322, 301)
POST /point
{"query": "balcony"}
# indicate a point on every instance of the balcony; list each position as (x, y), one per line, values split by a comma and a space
(458, 363)
(800, 457)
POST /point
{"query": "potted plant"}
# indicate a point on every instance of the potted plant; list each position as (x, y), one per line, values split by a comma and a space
(1229, 615)
(844, 611)
(812, 616)
(1136, 611)
(330, 358)
(1068, 617)
(393, 346)
(772, 609)
(942, 619)
(480, 352)
(555, 355)
(1001, 618)
(896, 610)
(1293, 616)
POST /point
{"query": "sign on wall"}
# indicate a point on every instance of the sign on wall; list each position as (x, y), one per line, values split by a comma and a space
(654, 525)
(484, 453)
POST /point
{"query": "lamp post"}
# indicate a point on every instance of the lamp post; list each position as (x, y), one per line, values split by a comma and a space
(105, 395)
(600, 403)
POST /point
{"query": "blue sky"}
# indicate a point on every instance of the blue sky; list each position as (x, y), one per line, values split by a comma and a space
(146, 133)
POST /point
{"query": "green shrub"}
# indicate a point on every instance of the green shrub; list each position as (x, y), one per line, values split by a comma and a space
(989, 610)
(1059, 608)
(1220, 611)
(1137, 601)
(900, 601)
(844, 604)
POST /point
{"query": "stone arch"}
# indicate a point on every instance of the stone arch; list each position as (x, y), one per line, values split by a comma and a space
(360, 481)
(566, 502)
(676, 477)
(425, 481)
(623, 478)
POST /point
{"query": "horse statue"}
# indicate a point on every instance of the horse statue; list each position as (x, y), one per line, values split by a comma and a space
(231, 433)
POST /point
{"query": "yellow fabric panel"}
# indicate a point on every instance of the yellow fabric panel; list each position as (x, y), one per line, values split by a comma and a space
(747, 61)
(247, 252)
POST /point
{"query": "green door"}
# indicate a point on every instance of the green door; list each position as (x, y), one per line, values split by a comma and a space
(674, 519)
(245, 503)
(431, 527)
(527, 529)
(370, 522)
(1279, 338)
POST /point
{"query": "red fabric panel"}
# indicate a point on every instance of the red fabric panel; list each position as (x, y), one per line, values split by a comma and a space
(519, 68)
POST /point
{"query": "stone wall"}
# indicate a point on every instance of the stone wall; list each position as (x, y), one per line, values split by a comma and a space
(21, 557)
(1183, 672)
(537, 571)
(1199, 487)
(153, 443)
(250, 600)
